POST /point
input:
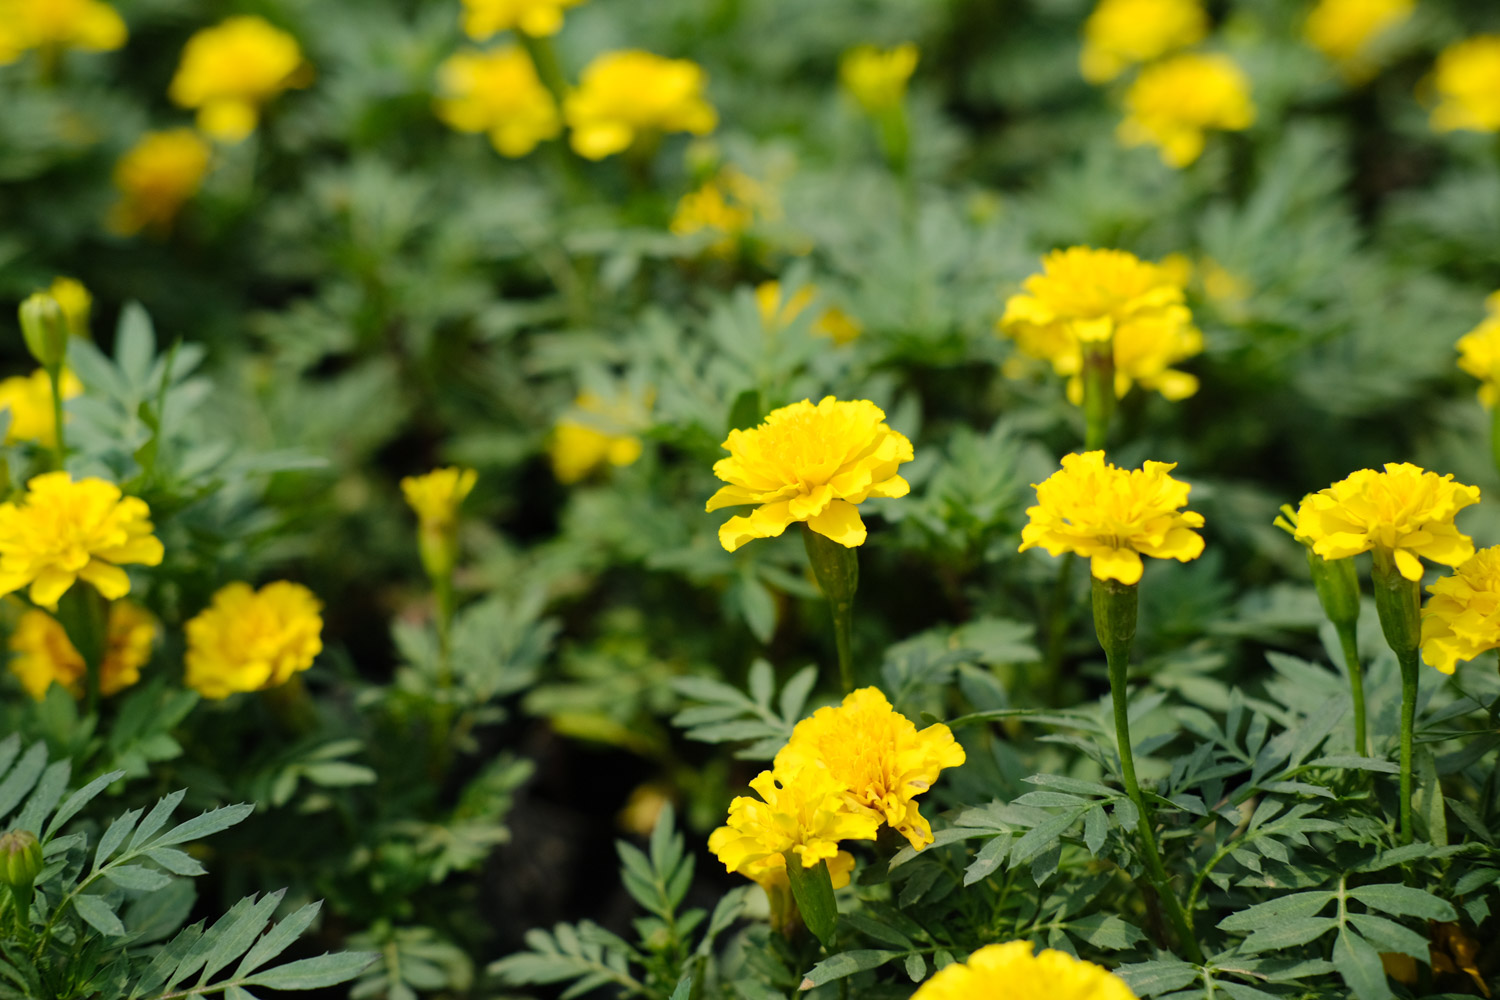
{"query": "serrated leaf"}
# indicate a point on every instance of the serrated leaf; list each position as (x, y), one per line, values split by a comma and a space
(98, 915)
(136, 877)
(75, 802)
(114, 836)
(203, 825)
(1404, 901)
(987, 860)
(846, 964)
(1291, 906)
(44, 796)
(22, 777)
(156, 818)
(315, 973)
(1288, 933)
(1358, 963)
(1106, 930)
(1149, 979)
(794, 694)
(175, 861)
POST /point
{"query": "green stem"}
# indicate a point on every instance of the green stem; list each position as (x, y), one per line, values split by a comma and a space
(84, 615)
(1409, 670)
(837, 570)
(1398, 602)
(1098, 392)
(1350, 644)
(60, 448)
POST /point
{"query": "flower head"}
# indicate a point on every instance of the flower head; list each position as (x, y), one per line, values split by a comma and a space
(625, 95)
(878, 755)
(1084, 296)
(497, 92)
(58, 24)
(1120, 34)
(61, 531)
(247, 640)
(1173, 102)
(1467, 81)
(228, 71)
(1346, 30)
(727, 204)
(436, 496)
(810, 463)
(1113, 516)
(537, 18)
(155, 178)
(599, 431)
(75, 301)
(1011, 971)
(1462, 617)
(1479, 351)
(42, 654)
(777, 311)
(876, 78)
(28, 398)
(1402, 509)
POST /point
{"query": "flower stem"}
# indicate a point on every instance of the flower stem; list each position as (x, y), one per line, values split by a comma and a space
(1408, 725)
(837, 569)
(1098, 392)
(1350, 644)
(59, 448)
(84, 615)
(1398, 602)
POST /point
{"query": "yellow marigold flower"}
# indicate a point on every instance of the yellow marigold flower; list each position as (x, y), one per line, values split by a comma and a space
(1403, 509)
(61, 531)
(436, 496)
(155, 178)
(1173, 102)
(1113, 516)
(623, 96)
(878, 755)
(1085, 295)
(1010, 970)
(1345, 30)
(833, 323)
(58, 24)
(76, 303)
(537, 18)
(1479, 351)
(249, 640)
(877, 79)
(499, 93)
(1120, 34)
(809, 463)
(1467, 81)
(1462, 617)
(599, 433)
(29, 400)
(728, 204)
(42, 654)
(228, 71)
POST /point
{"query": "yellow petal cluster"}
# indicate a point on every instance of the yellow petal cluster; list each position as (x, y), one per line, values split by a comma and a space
(809, 463)
(1120, 34)
(878, 755)
(230, 70)
(777, 311)
(435, 497)
(599, 432)
(1346, 30)
(1113, 516)
(41, 653)
(1462, 617)
(248, 640)
(627, 95)
(499, 93)
(58, 24)
(61, 531)
(155, 178)
(877, 78)
(1174, 102)
(537, 18)
(728, 204)
(76, 303)
(1479, 351)
(1403, 509)
(1085, 296)
(28, 398)
(1011, 971)
(1466, 80)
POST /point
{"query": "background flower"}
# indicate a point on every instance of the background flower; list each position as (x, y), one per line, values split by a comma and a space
(623, 96)
(248, 640)
(1174, 102)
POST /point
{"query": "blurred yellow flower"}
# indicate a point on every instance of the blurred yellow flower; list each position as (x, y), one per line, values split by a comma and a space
(155, 178)
(1462, 617)
(61, 531)
(1120, 34)
(876, 78)
(76, 303)
(1345, 30)
(833, 322)
(42, 654)
(728, 203)
(1011, 971)
(436, 496)
(228, 71)
(1085, 296)
(809, 463)
(1113, 516)
(1173, 102)
(1467, 81)
(1479, 351)
(537, 18)
(497, 92)
(29, 400)
(599, 433)
(58, 24)
(249, 640)
(1404, 510)
(878, 755)
(629, 95)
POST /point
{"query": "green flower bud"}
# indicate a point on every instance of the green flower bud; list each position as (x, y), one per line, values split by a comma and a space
(45, 328)
(1337, 585)
(20, 859)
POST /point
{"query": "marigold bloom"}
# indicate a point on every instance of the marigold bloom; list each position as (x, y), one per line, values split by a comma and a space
(1096, 296)
(729, 203)
(228, 71)
(1467, 81)
(436, 496)
(1479, 351)
(809, 463)
(1345, 30)
(58, 24)
(878, 755)
(1173, 102)
(537, 18)
(42, 653)
(1120, 34)
(877, 79)
(1011, 971)
(61, 531)
(499, 93)
(599, 433)
(28, 398)
(1113, 516)
(155, 178)
(1403, 509)
(249, 640)
(76, 303)
(833, 322)
(1462, 617)
(625, 95)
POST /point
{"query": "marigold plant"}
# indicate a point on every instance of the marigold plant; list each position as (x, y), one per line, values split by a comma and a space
(877, 78)
(538, 18)
(249, 640)
(1346, 30)
(156, 177)
(1462, 617)
(1120, 34)
(42, 654)
(498, 93)
(1173, 103)
(1466, 81)
(1011, 971)
(228, 72)
(728, 204)
(630, 95)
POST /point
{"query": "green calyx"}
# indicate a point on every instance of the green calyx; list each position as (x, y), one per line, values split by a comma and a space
(1337, 585)
(45, 328)
(1114, 616)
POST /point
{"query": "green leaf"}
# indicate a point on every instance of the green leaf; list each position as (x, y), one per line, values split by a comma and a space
(114, 836)
(1404, 901)
(1297, 904)
(175, 861)
(1288, 933)
(1106, 930)
(1358, 963)
(278, 939)
(1387, 935)
(98, 915)
(987, 860)
(846, 964)
(315, 973)
(1427, 805)
(205, 824)
(916, 967)
(136, 877)
(812, 888)
(44, 796)
(1148, 979)
(684, 989)
(21, 777)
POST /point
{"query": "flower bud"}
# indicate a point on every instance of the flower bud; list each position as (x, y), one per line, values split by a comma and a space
(1337, 585)
(45, 328)
(20, 859)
